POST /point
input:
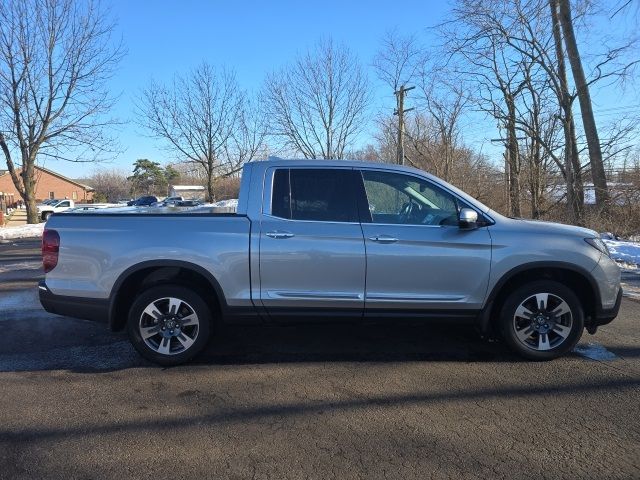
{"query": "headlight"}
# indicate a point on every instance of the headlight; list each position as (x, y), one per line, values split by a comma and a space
(599, 245)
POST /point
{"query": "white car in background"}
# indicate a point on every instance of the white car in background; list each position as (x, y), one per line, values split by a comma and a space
(44, 210)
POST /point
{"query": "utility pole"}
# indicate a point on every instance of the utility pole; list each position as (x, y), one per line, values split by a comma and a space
(507, 180)
(400, 111)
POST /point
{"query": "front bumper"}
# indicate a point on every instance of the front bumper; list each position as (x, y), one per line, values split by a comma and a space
(77, 307)
(606, 315)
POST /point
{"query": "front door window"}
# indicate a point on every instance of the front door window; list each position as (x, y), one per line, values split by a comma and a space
(403, 199)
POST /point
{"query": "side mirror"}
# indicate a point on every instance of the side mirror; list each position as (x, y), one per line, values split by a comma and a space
(468, 218)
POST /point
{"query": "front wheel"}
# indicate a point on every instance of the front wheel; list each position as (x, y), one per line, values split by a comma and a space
(169, 324)
(45, 216)
(542, 320)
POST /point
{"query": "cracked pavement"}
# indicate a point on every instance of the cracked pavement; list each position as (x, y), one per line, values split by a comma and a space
(312, 401)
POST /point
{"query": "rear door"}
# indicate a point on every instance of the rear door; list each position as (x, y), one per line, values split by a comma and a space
(312, 254)
(417, 256)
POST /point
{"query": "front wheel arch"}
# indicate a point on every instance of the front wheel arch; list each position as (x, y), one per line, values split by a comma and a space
(578, 280)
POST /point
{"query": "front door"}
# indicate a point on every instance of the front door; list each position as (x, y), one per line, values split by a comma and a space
(312, 255)
(417, 256)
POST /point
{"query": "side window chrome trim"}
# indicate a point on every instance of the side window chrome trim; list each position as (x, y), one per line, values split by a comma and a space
(268, 215)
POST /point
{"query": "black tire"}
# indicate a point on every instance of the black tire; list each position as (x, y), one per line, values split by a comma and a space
(154, 347)
(545, 334)
(45, 215)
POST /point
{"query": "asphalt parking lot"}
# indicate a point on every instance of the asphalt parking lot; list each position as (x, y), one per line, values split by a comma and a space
(319, 402)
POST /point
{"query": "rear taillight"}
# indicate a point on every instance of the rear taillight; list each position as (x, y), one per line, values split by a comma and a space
(50, 249)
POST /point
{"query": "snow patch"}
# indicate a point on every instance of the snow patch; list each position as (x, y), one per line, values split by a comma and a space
(594, 351)
(626, 254)
(21, 300)
(23, 231)
(231, 203)
(11, 267)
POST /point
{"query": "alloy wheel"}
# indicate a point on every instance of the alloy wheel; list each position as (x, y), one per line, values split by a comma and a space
(169, 326)
(543, 321)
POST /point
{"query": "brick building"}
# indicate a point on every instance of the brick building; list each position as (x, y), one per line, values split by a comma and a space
(49, 184)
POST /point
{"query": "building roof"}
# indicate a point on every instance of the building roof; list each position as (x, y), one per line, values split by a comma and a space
(66, 179)
(55, 174)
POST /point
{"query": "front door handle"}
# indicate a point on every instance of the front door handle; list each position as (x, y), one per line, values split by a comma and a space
(383, 239)
(279, 234)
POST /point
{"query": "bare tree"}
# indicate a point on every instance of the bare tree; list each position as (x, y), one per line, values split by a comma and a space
(386, 138)
(317, 106)
(538, 121)
(204, 119)
(485, 59)
(516, 48)
(530, 35)
(398, 59)
(588, 119)
(445, 103)
(527, 32)
(110, 185)
(397, 63)
(248, 138)
(572, 170)
(55, 58)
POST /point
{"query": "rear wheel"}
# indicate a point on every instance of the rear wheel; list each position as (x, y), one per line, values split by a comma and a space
(542, 320)
(169, 324)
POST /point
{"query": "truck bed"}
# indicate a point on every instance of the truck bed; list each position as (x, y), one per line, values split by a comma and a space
(88, 265)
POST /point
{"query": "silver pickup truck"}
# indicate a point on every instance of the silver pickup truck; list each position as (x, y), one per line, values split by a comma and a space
(339, 240)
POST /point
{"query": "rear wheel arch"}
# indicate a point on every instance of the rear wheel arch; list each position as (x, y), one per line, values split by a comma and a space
(574, 277)
(138, 278)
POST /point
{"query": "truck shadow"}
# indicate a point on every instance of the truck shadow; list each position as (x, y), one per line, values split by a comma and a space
(350, 343)
(92, 349)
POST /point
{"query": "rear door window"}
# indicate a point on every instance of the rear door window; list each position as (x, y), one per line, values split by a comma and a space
(323, 194)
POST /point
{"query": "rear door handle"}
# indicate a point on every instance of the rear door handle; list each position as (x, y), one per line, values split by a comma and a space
(383, 239)
(279, 234)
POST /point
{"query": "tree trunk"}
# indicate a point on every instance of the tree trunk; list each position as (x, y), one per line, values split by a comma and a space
(514, 160)
(209, 166)
(588, 120)
(535, 173)
(573, 174)
(578, 181)
(29, 183)
(210, 189)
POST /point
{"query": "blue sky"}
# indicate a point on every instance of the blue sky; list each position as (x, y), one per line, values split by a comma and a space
(253, 38)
